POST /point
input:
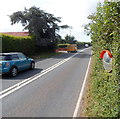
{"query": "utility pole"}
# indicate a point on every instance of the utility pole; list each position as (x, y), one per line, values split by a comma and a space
(70, 33)
(70, 30)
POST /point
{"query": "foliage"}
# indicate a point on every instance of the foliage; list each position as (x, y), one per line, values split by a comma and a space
(23, 44)
(40, 24)
(68, 39)
(71, 40)
(104, 30)
(82, 44)
(17, 44)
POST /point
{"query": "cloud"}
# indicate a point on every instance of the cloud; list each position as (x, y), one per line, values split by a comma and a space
(73, 12)
(7, 7)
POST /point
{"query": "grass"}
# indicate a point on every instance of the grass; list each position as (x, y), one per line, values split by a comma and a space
(87, 93)
(88, 98)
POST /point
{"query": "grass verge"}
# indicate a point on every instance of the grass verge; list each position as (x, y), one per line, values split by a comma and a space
(101, 97)
(87, 96)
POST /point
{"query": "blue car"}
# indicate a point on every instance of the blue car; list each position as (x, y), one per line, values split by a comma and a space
(12, 63)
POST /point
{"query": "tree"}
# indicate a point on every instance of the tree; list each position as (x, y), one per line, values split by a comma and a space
(41, 25)
(70, 39)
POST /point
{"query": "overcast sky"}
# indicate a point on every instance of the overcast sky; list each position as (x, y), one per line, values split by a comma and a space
(73, 12)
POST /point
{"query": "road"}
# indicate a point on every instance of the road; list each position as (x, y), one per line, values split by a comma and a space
(53, 92)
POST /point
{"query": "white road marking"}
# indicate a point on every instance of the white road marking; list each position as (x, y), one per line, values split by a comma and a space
(19, 85)
(81, 92)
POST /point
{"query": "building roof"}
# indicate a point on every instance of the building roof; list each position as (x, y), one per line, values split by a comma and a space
(10, 53)
(17, 33)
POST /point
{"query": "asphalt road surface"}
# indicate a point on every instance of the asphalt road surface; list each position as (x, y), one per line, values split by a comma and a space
(52, 89)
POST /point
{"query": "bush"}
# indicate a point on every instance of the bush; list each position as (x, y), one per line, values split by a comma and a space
(26, 45)
(104, 31)
(17, 44)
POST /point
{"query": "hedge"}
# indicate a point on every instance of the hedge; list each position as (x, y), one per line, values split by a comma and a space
(17, 44)
(27, 45)
(105, 34)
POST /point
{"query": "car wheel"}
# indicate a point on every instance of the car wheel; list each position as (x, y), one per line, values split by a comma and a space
(32, 66)
(13, 72)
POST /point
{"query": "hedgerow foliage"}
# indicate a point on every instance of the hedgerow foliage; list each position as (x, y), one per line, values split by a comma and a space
(17, 44)
(27, 45)
(104, 30)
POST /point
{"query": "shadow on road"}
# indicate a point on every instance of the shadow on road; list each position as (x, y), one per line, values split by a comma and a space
(23, 75)
(61, 56)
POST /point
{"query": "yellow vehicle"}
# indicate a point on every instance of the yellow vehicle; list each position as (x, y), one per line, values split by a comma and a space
(72, 48)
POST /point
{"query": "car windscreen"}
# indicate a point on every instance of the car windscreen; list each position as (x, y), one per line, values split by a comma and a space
(5, 57)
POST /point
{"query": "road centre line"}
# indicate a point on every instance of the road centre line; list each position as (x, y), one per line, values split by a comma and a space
(19, 85)
(50, 68)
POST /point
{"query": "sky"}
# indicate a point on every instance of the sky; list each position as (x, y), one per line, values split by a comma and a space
(72, 12)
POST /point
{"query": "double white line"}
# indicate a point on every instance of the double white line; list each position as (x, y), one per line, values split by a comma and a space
(19, 85)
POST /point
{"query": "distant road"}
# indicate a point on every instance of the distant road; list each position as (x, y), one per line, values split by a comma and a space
(54, 91)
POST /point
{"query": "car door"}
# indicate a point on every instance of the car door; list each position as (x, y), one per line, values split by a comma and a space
(15, 61)
(25, 63)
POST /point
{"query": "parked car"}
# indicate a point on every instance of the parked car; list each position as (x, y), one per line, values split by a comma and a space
(12, 63)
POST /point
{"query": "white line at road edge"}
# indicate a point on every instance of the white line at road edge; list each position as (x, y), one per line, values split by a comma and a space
(75, 114)
(19, 85)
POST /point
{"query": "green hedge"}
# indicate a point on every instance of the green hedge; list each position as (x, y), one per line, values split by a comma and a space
(27, 45)
(105, 34)
(17, 44)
